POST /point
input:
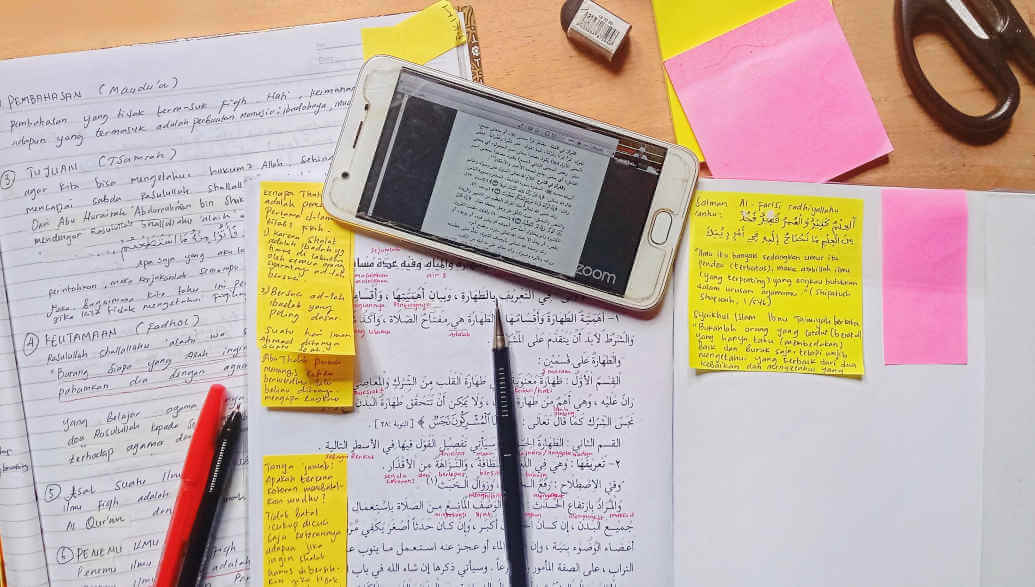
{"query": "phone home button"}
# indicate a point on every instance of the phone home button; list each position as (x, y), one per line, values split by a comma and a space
(661, 227)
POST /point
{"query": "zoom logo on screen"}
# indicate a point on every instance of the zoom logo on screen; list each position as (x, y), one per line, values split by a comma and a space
(604, 277)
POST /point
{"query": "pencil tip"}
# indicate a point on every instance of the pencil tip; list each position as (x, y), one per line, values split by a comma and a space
(499, 340)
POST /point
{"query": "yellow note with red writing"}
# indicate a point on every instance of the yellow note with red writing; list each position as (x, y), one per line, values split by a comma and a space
(304, 325)
(304, 519)
(296, 380)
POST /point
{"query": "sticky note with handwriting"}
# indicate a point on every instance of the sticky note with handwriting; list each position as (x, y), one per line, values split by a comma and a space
(418, 39)
(776, 283)
(304, 519)
(305, 273)
(296, 380)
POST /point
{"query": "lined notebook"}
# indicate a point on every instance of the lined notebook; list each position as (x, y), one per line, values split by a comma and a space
(122, 175)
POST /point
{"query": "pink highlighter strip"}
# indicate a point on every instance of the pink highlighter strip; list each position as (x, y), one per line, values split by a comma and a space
(925, 276)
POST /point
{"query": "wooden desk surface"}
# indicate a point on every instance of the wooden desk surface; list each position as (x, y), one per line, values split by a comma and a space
(525, 52)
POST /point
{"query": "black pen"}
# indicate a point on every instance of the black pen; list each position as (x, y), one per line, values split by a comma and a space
(510, 458)
(208, 511)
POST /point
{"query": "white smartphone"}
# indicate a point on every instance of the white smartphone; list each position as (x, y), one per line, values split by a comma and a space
(472, 172)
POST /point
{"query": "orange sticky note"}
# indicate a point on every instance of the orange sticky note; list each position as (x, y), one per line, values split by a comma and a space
(296, 380)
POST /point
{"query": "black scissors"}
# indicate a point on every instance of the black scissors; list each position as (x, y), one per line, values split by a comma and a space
(986, 37)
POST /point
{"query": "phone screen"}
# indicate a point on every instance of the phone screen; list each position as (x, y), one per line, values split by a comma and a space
(495, 177)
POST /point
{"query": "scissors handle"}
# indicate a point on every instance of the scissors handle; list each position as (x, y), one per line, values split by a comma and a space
(1016, 35)
(984, 54)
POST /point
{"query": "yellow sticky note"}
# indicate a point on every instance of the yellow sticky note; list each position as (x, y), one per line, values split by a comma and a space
(304, 519)
(685, 24)
(418, 39)
(294, 380)
(680, 124)
(776, 283)
(305, 273)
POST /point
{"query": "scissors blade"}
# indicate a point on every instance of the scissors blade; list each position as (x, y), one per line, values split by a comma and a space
(1001, 20)
(962, 10)
(1017, 37)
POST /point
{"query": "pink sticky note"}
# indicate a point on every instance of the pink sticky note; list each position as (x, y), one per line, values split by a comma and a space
(780, 98)
(925, 277)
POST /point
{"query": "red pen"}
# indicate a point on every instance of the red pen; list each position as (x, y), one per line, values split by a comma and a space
(192, 486)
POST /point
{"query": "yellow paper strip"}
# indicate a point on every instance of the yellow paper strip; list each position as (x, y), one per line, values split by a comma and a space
(680, 124)
(292, 380)
(418, 39)
(685, 24)
(305, 273)
(304, 519)
(776, 283)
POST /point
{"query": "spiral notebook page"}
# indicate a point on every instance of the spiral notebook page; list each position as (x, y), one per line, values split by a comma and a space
(121, 176)
(19, 518)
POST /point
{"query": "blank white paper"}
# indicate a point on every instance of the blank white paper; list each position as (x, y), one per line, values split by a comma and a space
(1008, 548)
(783, 479)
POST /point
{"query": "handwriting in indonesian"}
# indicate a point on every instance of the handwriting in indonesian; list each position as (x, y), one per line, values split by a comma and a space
(305, 519)
(305, 273)
(776, 284)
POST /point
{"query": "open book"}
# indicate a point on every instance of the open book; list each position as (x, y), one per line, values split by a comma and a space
(123, 184)
(638, 469)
